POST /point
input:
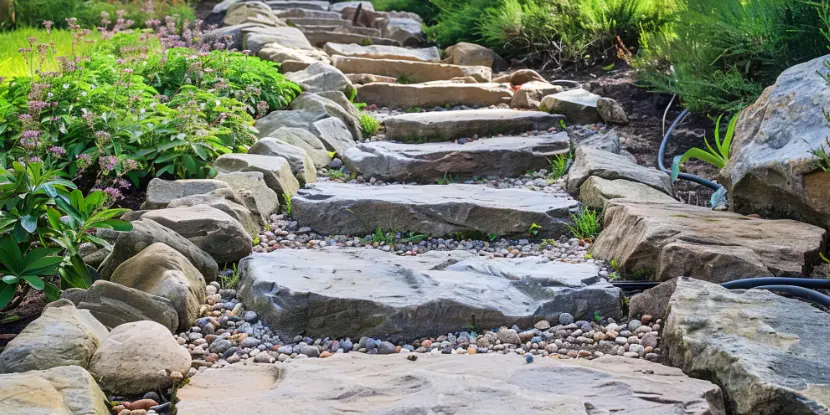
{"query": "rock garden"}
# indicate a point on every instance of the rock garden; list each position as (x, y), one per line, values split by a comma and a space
(410, 207)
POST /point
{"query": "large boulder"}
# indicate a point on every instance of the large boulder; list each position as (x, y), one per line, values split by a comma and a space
(63, 390)
(226, 200)
(258, 38)
(275, 170)
(162, 271)
(469, 54)
(481, 384)
(147, 232)
(319, 38)
(430, 54)
(276, 52)
(579, 105)
(767, 352)
(115, 304)
(305, 140)
(596, 192)
(434, 94)
(411, 71)
(352, 292)
(406, 30)
(139, 357)
(328, 107)
(301, 164)
(449, 125)
(331, 131)
(61, 336)
(320, 77)
(244, 12)
(500, 157)
(590, 162)
(266, 200)
(771, 170)
(435, 210)
(666, 240)
(161, 192)
(531, 93)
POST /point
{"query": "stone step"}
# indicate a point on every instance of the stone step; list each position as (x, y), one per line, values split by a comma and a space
(449, 125)
(667, 240)
(353, 292)
(478, 384)
(593, 162)
(299, 4)
(501, 156)
(435, 210)
(434, 95)
(349, 30)
(411, 71)
(430, 54)
(305, 13)
(320, 38)
(316, 21)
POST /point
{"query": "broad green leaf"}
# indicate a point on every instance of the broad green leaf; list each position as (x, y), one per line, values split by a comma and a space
(44, 266)
(10, 279)
(107, 214)
(115, 224)
(52, 292)
(10, 254)
(702, 155)
(7, 292)
(34, 281)
(675, 168)
(727, 141)
(29, 223)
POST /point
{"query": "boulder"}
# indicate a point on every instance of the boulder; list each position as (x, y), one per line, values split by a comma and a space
(319, 38)
(320, 77)
(316, 21)
(341, 29)
(653, 301)
(430, 54)
(771, 170)
(596, 192)
(406, 30)
(450, 125)
(474, 55)
(594, 162)
(365, 5)
(334, 134)
(306, 13)
(63, 390)
(239, 13)
(275, 170)
(311, 5)
(276, 52)
(521, 77)
(147, 232)
(266, 200)
(233, 37)
(301, 164)
(162, 271)
(289, 37)
(212, 230)
(353, 291)
(667, 240)
(365, 78)
(500, 157)
(434, 95)
(531, 93)
(606, 140)
(410, 71)
(161, 192)
(61, 336)
(305, 140)
(611, 111)
(115, 304)
(579, 105)
(435, 210)
(339, 107)
(767, 352)
(226, 200)
(447, 381)
(139, 357)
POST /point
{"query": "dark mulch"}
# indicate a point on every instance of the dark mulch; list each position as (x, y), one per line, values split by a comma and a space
(27, 311)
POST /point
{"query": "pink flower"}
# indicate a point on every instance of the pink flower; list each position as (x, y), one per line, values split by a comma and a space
(84, 160)
(113, 193)
(57, 150)
(108, 162)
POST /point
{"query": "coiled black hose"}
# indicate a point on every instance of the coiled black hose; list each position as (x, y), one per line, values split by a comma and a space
(759, 282)
(685, 176)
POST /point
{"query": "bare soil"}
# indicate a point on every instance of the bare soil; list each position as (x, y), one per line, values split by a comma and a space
(27, 311)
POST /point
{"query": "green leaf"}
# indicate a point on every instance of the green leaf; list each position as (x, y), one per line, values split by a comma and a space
(44, 266)
(702, 155)
(106, 214)
(10, 254)
(10, 279)
(116, 225)
(29, 223)
(675, 168)
(727, 141)
(608, 67)
(35, 282)
(53, 293)
(7, 292)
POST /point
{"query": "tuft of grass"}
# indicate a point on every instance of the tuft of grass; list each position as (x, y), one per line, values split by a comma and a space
(405, 79)
(534, 229)
(286, 208)
(369, 124)
(229, 278)
(587, 224)
(447, 179)
(559, 166)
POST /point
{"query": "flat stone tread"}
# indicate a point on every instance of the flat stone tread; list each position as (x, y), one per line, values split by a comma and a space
(430, 54)
(550, 144)
(451, 384)
(413, 95)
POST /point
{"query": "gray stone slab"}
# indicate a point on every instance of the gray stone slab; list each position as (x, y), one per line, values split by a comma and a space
(341, 292)
(434, 95)
(579, 105)
(590, 161)
(299, 4)
(449, 125)
(430, 54)
(499, 156)
(412, 71)
(437, 210)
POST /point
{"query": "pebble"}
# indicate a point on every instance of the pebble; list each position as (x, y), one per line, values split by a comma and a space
(566, 318)
(634, 325)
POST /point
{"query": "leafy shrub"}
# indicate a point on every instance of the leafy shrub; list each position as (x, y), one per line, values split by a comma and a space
(369, 124)
(32, 12)
(722, 53)
(423, 8)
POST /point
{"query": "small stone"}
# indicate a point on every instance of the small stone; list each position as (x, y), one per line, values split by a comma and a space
(528, 358)
(631, 355)
(526, 335)
(508, 336)
(263, 358)
(646, 319)
(412, 357)
(649, 340)
(250, 316)
(386, 348)
(634, 325)
(542, 325)
(566, 318)
(233, 359)
(326, 354)
(309, 351)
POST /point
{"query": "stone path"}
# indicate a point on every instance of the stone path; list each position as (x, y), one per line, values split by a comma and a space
(474, 286)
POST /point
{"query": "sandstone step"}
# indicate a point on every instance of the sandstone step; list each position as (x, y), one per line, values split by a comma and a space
(353, 30)
(434, 95)
(340, 5)
(299, 4)
(501, 156)
(412, 71)
(479, 384)
(778, 345)
(593, 162)
(305, 13)
(320, 38)
(436, 210)
(430, 54)
(669, 240)
(316, 21)
(449, 125)
(579, 105)
(353, 292)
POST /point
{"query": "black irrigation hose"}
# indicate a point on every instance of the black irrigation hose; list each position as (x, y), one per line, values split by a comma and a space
(799, 287)
(758, 282)
(802, 292)
(685, 176)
